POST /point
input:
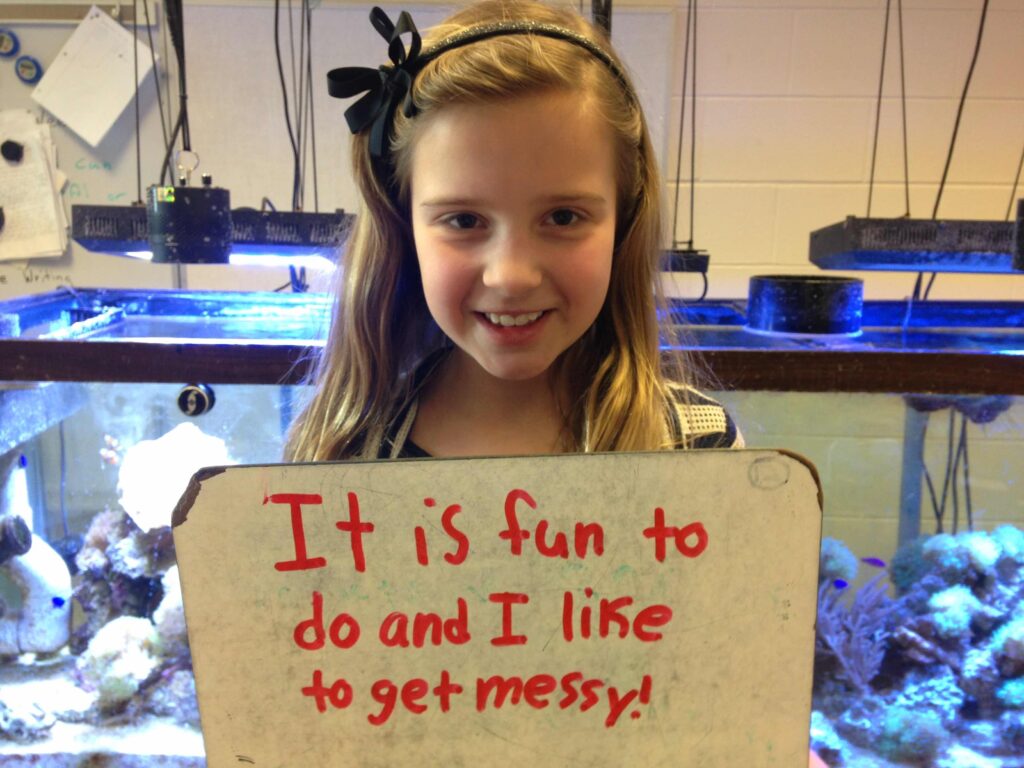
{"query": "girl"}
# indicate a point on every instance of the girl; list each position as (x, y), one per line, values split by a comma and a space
(499, 290)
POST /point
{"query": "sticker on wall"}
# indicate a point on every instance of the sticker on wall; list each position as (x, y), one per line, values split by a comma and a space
(9, 44)
(28, 69)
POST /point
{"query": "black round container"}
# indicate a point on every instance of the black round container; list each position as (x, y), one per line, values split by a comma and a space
(805, 304)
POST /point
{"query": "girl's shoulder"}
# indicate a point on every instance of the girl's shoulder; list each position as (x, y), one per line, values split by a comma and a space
(700, 421)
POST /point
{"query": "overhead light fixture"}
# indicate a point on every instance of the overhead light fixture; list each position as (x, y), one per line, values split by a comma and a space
(195, 225)
(922, 245)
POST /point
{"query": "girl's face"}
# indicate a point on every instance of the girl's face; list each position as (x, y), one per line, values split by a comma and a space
(513, 212)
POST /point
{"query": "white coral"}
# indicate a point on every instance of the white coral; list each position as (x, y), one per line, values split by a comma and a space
(155, 473)
(119, 658)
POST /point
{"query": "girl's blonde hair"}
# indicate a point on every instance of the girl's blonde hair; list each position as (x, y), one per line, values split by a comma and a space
(381, 329)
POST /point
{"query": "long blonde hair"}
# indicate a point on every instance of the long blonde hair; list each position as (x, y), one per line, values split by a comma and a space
(381, 328)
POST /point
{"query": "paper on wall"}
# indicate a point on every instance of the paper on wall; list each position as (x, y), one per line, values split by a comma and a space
(90, 83)
(35, 222)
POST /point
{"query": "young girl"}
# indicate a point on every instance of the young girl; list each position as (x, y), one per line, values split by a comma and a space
(500, 287)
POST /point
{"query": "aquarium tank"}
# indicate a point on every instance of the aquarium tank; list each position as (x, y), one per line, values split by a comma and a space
(109, 400)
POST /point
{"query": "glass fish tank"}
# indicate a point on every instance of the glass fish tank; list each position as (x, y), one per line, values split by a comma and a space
(109, 400)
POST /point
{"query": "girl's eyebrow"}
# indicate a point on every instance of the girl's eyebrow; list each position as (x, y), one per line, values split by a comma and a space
(570, 197)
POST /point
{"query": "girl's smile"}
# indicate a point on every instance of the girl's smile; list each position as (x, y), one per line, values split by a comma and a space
(513, 207)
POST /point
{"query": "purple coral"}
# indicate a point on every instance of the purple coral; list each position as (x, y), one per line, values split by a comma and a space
(854, 633)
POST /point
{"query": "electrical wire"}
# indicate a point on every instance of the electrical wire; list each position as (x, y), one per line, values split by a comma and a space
(176, 30)
(682, 125)
(312, 115)
(164, 128)
(956, 128)
(1013, 188)
(301, 110)
(967, 476)
(878, 104)
(135, 90)
(903, 105)
(960, 107)
(287, 108)
(693, 123)
(291, 52)
(949, 462)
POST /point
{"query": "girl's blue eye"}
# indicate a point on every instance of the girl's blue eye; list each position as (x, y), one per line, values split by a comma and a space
(563, 217)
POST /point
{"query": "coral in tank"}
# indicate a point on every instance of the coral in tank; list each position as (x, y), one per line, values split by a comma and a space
(120, 657)
(154, 473)
(133, 641)
(925, 667)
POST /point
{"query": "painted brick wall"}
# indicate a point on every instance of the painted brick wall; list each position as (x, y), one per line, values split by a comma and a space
(787, 93)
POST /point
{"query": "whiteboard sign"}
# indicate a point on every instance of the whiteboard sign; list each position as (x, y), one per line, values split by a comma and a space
(613, 609)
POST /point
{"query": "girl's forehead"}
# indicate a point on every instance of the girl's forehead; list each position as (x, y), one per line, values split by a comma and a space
(539, 138)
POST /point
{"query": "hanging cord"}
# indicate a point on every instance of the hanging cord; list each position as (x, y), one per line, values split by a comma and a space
(956, 130)
(284, 94)
(903, 103)
(181, 127)
(167, 82)
(961, 455)
(693, 123)
(878, 104)
(311, 124)
(688, 77)
(156, 73)
(135, 88)
(291, 53)
(948, 477)
(957, 466)
(1013, 187)
(682, 123)
(967, 475)
(300, 187)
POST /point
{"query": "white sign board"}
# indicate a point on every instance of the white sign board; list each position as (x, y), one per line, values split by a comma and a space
(643, 609)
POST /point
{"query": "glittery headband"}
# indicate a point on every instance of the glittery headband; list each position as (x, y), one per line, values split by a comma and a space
(388, 86)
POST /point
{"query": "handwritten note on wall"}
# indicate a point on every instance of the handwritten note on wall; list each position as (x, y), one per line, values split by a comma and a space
(93, 78)
(35, 224)
(609, 609)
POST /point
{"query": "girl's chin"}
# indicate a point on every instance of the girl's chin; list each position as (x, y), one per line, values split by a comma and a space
(511, 371)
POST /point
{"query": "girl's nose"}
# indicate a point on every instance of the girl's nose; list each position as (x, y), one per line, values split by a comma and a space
(512, 266)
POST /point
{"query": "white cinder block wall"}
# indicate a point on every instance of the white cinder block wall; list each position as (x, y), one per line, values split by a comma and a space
(787, 93)
(786, 102)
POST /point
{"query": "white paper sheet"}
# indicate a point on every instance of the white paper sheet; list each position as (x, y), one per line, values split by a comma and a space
(35, 221)
(89, 84)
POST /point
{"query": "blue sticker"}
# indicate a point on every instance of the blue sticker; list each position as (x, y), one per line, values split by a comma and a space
(28, 69)
(9, 43)
(58, 602)
(22, 461)
(840, 583)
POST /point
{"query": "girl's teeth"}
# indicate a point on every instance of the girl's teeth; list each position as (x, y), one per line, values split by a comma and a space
(510, 320)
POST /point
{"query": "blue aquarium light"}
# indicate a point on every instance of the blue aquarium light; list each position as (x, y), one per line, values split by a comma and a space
(921, 245)
(271, 238)
(247, 258)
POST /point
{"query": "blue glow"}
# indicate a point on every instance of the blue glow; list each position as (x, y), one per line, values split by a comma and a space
(58, 602)
(310, 261)
(320, 263)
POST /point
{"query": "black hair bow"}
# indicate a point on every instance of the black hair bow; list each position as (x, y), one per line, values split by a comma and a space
(384, 87)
